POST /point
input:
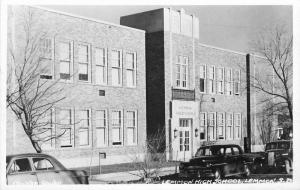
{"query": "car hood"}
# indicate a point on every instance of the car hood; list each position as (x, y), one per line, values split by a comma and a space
(205, 159)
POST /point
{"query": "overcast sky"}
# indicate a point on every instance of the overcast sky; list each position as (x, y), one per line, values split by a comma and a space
(230, 27)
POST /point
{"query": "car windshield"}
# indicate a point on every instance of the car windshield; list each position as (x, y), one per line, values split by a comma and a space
(210, 151)
(278, 145)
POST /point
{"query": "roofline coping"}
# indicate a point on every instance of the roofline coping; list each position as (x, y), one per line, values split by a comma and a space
(85, 18)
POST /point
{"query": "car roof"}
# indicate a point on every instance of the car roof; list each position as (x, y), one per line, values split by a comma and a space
(27, 155)
(219, 145)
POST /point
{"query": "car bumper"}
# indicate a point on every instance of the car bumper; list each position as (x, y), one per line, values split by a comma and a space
(197, 172)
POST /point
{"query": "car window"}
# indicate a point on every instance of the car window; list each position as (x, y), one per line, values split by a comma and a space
(42, 164)
(236, 151)
(20, 165)
(283, 145)
(228, 151)
(270, 146)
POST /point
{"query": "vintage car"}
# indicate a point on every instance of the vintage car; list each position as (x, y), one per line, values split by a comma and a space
(39, 169)
(279, 155)
(216, 161)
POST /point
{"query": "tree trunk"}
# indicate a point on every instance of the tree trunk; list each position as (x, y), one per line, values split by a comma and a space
(36, 146)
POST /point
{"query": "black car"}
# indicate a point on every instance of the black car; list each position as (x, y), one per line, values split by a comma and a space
(216, 161)
(279, 155)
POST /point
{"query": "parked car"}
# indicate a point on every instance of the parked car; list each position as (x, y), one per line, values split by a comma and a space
(40, 169)
(216, 161)
(279, 155)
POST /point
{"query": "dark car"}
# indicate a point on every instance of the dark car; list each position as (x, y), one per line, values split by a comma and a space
(279, 155)
(216, 161)
(39, 169)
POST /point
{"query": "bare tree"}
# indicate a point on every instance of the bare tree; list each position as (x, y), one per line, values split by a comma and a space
(31, 97)
(276, 46)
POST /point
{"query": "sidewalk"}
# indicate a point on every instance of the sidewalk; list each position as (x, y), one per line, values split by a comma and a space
(124, 177)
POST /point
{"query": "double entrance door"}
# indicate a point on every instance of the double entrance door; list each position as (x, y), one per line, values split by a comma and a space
(185, 139)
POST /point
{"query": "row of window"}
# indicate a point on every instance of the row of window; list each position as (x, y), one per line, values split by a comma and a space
(88, 57)
(74, 128)
(213, 80)
(217, 126)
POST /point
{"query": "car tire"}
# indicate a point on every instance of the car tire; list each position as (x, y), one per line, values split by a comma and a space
(287, 167)
(246, 171)
(217, 173)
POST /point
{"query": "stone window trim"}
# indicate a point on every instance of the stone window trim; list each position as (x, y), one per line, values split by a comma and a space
(48, 59)
(136, 129)
(71, 61)
(121, 128)
(132, 69)
(120, 67)
(88, 62)
(181, 83)
(106, 128)
(71, 126)
(237, 125)
(203, 76)
(95, 64)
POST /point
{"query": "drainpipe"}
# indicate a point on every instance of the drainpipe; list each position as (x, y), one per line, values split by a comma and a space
(247, 144)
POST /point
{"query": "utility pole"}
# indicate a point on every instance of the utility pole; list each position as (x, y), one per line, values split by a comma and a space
(247, 142)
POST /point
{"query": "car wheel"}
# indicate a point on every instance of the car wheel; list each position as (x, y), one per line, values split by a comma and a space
(218, 173)
(287, 167)
(246, 171)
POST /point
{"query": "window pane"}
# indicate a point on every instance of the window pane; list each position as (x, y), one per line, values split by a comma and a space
(20, 165)
(65, 117)
(83, 68)
(130, 61)
(64, 67)
(65, 139)
(130, 136)
(46, 48)
(42, 164)
(100, 56)
(116, 136)
(84, 136)
(115, 59)
(202, 71)
(100, 118)
(116, 76)
(100, 136)
(100, 75)
(83, 53)
(64, 51)
(130, 78)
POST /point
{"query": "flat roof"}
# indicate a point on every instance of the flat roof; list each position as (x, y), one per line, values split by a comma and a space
(86, 18)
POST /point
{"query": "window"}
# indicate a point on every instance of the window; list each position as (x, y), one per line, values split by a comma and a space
(237, 82)
(202, 78)
(131, 127)
(221, 126)
(220, 80)
(65, 123)
(228, 151)
(130, 69)
(237, 126)
(41, 164)
(116, 68)
(182, 72)
(202, 128)
(101, 66)
(229, 82)
(211, 126)
(116, 124)
(101, 128)
(211, 80)
(236, 150)
(65, 60)
(84, 125)
(83, 62)
(20, 165)
(46, 61)
(229, 127)
(47, 131)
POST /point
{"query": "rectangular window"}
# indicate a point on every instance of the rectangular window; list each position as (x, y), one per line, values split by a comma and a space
(131, 69)
(211, 80)
(65, 60)
(229, 82)
(46, 61)
(237, 82)
(229, 126)
(101, 66)
(182, 72)
(101, 128)
(131, 128)
(237, 125)
(203, 78)
(65, 123)
(203, 125)
(83, 62)
(116, 124)
(221, 126)
(84, 127)
(220, 80)
(46, 133)
(116, 64)
(211, 126)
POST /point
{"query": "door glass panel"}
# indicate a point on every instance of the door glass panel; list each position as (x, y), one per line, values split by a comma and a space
(20, 165)
(42, 164)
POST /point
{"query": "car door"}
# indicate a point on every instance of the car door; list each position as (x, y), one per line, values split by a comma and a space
(238, 159)
(229, 159)
(20, 172)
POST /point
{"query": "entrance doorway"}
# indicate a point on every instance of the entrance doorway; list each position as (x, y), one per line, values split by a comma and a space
(185, 149)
